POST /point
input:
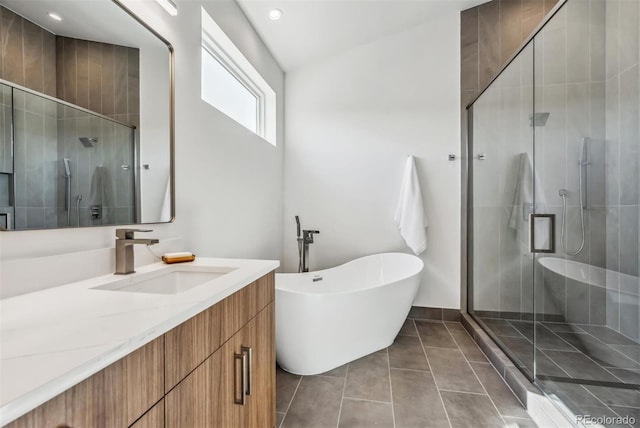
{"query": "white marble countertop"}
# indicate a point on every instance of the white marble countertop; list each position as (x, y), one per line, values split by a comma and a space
(50, 340)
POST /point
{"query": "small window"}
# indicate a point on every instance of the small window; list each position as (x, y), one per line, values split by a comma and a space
(231, 84)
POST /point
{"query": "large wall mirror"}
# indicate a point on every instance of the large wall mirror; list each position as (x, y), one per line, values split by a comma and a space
(86, 119)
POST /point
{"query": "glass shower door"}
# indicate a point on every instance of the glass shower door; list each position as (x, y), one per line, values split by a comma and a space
(502, 191)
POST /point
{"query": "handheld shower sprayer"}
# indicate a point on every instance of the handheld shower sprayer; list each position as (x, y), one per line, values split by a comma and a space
(67, 167)
(298, 226)
(582, 195)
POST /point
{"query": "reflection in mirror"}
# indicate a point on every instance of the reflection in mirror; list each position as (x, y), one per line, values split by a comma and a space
(85, 118)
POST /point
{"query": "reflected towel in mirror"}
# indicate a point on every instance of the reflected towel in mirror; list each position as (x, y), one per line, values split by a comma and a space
(101, 192)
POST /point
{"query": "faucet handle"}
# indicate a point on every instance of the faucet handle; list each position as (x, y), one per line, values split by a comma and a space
(128, 233)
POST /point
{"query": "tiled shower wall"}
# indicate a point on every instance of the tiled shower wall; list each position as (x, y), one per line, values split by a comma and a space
(28, 54)
(569, 77)
(623, 168)
(490, 35)
(101, 77)
(587, 78)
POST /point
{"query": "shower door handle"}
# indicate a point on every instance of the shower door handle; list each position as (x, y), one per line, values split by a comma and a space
(536, 223)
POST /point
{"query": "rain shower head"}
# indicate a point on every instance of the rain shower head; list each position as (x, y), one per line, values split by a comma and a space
(538, 119)
(88, 141)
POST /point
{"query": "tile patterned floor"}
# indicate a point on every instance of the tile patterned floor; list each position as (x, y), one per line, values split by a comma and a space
(571, 350)
(433, 375)
(581, 352)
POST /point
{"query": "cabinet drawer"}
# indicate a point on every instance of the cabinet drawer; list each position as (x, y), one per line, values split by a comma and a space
(193, 341)
(114, 397)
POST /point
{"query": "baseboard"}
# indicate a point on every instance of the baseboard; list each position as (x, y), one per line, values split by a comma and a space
(438, 314)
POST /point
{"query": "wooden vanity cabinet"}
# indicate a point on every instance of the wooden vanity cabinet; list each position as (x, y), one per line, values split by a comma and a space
(215, 395)
(189, 377)
(114, 397)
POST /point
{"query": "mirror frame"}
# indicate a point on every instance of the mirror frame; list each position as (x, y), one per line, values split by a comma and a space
(172, 162)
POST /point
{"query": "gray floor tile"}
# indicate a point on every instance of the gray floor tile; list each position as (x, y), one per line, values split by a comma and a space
(616, 396)
(365, 414)
(632, 352)
(470, 410)
(454, 325)
(607, 335)
(501, 327)
(451, 371)
(523, 350)
(519, 423)
(416, 402)
(626, 375)
(408, 328)
(407, 353)
(579, 366)
(435, 334)
(340, 372)
(545, 339)
(468, 346)
(629, 412)
(573, 395)
(279, 419)
(602, 353)
(316, 403)
(368, 378)
(286, 384)
(563, 326)
(502, 396)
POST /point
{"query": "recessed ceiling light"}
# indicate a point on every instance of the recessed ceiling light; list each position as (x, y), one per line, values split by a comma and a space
(55, 16)
(275, 14)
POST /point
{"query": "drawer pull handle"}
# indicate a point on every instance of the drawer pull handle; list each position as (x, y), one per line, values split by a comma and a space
(249, 352)
(243, 380)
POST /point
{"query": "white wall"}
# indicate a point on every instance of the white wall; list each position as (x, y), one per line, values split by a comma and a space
(229, 181)
(351, 121)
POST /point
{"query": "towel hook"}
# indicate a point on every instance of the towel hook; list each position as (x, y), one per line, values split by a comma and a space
(452, 157)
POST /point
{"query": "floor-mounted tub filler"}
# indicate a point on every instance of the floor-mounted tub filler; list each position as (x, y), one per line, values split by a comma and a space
(327, 318)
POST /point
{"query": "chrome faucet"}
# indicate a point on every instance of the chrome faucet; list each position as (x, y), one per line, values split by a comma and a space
(124, 249)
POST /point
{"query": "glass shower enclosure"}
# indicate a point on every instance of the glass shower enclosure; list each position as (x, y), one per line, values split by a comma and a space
(554, 204)
(62, 165)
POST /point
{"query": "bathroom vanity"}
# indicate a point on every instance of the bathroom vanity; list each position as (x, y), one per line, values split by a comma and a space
(128, 357)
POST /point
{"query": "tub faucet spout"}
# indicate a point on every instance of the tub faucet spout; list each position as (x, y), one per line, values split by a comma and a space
(307, 238)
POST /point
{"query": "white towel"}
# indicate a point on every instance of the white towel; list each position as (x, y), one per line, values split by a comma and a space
(410, 215)
(523, 205)
(101, 191)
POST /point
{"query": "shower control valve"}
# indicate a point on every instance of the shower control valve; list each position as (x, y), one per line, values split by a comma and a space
(307, 236)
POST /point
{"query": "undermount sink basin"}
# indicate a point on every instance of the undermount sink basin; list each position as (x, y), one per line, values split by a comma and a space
(172, 282)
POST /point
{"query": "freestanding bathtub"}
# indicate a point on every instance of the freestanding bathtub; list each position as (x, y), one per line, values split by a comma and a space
(327, 318)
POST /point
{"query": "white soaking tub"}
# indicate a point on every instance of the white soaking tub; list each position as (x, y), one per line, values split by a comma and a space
(327, 318)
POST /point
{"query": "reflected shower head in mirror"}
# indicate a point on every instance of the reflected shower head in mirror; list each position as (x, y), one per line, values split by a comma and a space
(88, 141)
(538, 119)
